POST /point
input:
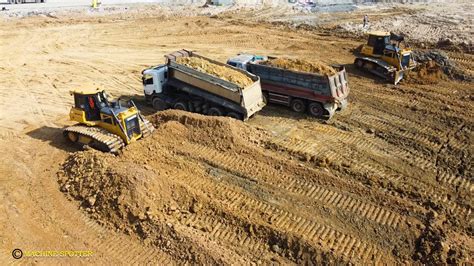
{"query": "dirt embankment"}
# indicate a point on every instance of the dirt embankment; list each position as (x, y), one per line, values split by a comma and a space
(206, 190)
(301, 66)
(225, 73)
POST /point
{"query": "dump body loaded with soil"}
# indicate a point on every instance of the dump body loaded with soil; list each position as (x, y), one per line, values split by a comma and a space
(194, 83)
(301, 85)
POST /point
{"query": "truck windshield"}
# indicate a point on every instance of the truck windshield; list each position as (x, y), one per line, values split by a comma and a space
(148, 80)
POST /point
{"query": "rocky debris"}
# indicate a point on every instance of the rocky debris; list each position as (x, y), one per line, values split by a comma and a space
(301, 65)
(223, 72)
(432, 59)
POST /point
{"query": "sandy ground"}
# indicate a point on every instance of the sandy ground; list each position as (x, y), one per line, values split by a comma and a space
(388, 180)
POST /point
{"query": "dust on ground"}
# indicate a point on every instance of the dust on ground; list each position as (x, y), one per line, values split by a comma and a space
(301, 65)
(223, 72)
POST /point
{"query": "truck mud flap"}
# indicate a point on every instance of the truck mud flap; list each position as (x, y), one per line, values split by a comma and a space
(342, 105)
(331, 109)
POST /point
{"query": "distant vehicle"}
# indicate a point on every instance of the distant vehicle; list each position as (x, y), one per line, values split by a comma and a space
(25, 1)
(321, 95)
(177, 86)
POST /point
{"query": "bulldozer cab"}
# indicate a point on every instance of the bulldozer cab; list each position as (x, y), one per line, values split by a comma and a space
(378, 41)
(91, 103)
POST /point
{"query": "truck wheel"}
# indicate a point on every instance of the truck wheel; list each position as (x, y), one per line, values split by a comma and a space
(159, 104)
(297, 105)
(180, 106)
(215, 111)
(316, 109)
(234, 115)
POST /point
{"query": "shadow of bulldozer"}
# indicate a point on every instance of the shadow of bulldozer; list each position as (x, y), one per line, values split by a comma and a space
(54, 137)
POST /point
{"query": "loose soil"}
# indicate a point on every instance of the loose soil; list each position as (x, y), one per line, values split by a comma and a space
(301, 66)
(223, 72)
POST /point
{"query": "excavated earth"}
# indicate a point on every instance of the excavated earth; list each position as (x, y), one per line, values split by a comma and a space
(223, 72)
(301, 66)
(388, 180)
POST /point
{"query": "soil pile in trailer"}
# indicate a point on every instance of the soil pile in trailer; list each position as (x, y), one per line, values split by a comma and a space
(223, 72)
(301, 66)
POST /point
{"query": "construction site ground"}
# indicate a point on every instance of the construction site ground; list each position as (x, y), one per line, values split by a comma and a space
(387, 180)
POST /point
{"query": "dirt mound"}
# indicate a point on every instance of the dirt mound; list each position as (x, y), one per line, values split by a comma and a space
(426, 73)
(301, 65)
(210, 68)
(434, 61)
(139, 192)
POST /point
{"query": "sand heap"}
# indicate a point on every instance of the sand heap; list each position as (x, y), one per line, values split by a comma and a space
(301, 66)
(223, 72)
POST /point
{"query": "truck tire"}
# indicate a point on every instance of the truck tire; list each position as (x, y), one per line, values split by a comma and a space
(215, 111)
(316, 109)
(298, 105)
(159, 104)
(234, 115)
(180, 106)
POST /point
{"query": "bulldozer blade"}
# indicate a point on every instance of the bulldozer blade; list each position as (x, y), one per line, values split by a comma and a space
(398, 77)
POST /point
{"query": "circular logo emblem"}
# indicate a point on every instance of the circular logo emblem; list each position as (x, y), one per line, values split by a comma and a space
(17, 253)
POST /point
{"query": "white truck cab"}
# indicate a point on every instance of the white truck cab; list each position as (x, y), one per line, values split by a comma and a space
(153, 79)
(242, 60)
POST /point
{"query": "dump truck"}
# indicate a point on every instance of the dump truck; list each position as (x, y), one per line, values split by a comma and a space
(179, 86)
(321, 95)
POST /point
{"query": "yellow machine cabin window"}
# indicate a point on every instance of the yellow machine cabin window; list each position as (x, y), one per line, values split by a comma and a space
(108, 120)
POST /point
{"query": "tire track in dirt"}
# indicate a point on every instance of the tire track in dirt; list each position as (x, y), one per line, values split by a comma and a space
(301, 146)
(348, 247)
(294, 185)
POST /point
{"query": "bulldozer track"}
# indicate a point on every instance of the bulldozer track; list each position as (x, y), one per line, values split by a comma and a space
(106, 139)
(386, 126)
(287, 144)
(346, 246)
(301, 188)
(131, 253)
(456, 181)
(220, 231)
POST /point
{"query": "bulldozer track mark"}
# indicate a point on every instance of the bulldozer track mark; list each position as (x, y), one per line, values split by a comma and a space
(306, 189)
(426, 105)
(382, 124)
(455, 208)
(223, 233)
(290, 223)
(376, 214)
(128, 253)
(457, 181)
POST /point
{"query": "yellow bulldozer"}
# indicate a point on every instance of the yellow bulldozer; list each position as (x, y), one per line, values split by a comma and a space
(105, 125)
(383, 56)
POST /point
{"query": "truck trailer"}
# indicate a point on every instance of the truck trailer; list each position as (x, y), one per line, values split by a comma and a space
(177, 86)
(320, 95)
